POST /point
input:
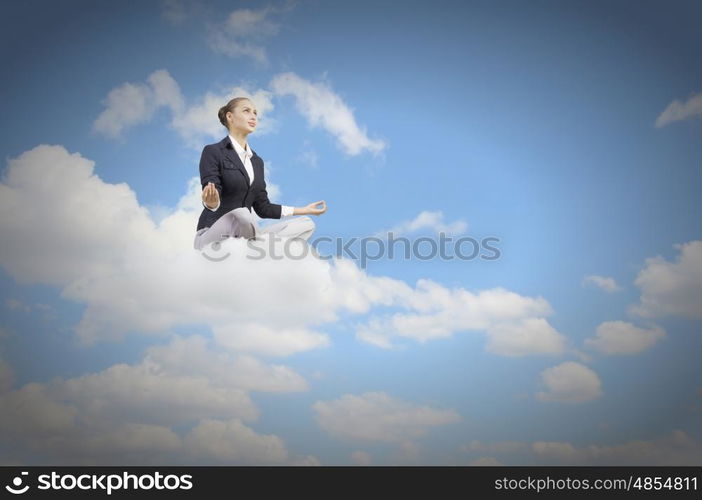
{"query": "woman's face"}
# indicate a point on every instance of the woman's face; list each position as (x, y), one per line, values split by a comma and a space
(244, 118)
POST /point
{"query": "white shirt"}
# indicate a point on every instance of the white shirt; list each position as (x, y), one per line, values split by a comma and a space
(245, 156)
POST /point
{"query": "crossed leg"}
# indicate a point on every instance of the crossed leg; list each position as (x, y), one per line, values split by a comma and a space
(237, 223)
(297, 227)
(240, 223)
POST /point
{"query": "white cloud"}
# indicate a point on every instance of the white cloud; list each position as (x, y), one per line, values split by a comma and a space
(677, 110)
(127, 105)
(512, 323)
(529, 336)
(676, 448)
(377, 416)
(166, 91)
(322, 107)
(672, 288)
(484, 462)
(304, 461)
(173, 384)
(431, 220)
(408, 451)
(70, 245)
(501, 447)
(183, 356)
(125, 277)
(129, 439)
(361, 458)
(174, 11)
(128, 412)
(232, 442)
(245, 32)
(32, 412)
(570, 382)
(134, 103)
(126, 281)
(269, 340)
(619, 337)
(604, 282)
(143, 394)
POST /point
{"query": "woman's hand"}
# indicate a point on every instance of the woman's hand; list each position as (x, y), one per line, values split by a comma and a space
(210, 195)
(312, 208)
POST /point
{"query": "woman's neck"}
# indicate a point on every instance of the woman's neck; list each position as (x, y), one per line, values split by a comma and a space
(239, 137)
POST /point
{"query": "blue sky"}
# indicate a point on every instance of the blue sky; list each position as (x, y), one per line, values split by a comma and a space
(569, 131)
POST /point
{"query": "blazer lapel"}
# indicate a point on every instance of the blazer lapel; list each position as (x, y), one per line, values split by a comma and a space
(257, 164)
(230, 153)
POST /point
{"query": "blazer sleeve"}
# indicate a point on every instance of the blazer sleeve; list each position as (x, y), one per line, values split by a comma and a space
(209, 169)
(264, 208)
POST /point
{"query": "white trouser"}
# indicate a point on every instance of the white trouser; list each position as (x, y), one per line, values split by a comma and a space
(240, 223)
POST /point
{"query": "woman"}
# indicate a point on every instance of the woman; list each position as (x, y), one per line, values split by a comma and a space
(231, 174)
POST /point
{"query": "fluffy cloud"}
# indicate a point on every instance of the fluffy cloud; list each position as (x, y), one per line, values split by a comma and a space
(675, 448)
(174, 11)
(604, 282)
(140, 393)
(672, 288)
(525, 337)
(677, 110)
(361, 458)
(512, 323)
(114, 259)
(32, 412)
(377, 416)
(484, 462)
(129, 413)
(430, 220)
(503, 447)
(324, 108)
(570, 382)
(268, 340)
(72, 243)
(125, 277)
(132, 104)
(183, 356)
(245, 31)
(231, 441)
(620, 337)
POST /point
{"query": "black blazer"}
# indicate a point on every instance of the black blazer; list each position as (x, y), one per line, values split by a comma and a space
(221, 165)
